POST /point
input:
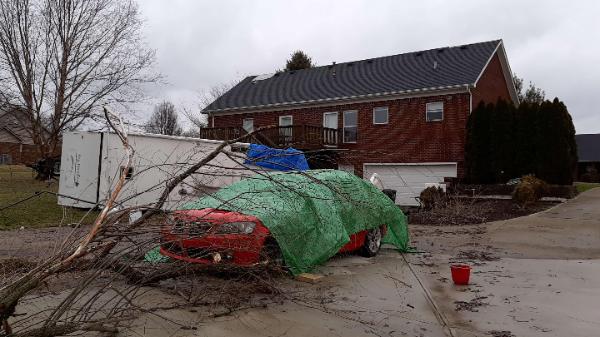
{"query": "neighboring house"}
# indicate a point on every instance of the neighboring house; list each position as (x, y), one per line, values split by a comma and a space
(402, 116)
(16, 145)
(588, 151)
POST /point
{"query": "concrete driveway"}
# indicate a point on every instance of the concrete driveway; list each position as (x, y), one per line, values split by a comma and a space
(537, 275)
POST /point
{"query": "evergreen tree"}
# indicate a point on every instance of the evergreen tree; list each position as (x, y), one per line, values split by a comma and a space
(298, 60)
(557, 150)
(477, 150)
(505, 142)
(525, 139)
(502, 138)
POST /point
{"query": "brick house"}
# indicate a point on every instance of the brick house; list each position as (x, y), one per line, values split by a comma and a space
(403, 116)
(16, 144)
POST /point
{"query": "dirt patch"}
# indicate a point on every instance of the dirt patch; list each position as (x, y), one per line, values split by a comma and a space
(462, 211)
(472, 305)
(228, 292)
(501, 333)
(475, 255)
(15, 266)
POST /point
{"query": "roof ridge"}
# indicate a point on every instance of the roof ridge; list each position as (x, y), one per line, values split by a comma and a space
(382, 57)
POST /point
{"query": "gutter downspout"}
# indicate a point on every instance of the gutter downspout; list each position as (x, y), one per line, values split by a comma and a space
(470, 97)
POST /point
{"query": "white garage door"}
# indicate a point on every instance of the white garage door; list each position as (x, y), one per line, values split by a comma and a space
(409, 179)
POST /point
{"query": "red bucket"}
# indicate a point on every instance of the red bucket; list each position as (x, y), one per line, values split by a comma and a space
(460, 273)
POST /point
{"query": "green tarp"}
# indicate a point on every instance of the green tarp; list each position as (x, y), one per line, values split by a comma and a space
(311, 214)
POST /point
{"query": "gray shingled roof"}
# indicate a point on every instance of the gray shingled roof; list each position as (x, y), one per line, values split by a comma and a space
(588, 147)
(436, 68)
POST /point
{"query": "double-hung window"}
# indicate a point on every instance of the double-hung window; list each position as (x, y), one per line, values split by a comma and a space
(380, 115)
(350, 126)
(434, 112)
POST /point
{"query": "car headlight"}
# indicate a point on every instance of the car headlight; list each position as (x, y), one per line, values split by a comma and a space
(235, 228)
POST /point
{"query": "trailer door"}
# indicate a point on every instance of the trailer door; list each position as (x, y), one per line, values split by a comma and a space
(80, 169)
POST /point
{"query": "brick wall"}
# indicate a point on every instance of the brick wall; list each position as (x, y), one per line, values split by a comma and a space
(407, 138)
(20, 153)
(491, 85)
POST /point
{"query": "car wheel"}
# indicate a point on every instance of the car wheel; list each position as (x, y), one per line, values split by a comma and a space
(272, 254)
(372, 242)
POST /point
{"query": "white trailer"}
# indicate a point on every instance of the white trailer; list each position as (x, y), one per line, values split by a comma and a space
(91, 163)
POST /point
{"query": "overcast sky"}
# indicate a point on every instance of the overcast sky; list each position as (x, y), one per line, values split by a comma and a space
(199, 44)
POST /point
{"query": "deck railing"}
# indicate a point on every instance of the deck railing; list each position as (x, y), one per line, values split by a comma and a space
(299, 136)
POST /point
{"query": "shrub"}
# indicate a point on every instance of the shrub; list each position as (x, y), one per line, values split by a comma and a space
(432, 196)
(591, 175)
(529, 190)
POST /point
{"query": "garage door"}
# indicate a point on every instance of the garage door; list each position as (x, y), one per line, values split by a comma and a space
(409, 179)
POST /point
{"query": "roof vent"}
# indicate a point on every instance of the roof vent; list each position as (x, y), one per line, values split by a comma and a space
(435, 64)
(350, 64)
(370, 61)
(463, 47)
(419, 54)
(441, 50)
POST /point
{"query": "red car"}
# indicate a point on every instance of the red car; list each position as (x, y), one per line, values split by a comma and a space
(212, 236)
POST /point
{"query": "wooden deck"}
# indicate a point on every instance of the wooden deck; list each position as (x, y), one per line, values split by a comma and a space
(298, 136)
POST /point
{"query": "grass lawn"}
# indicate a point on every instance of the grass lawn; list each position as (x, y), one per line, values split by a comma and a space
(582, 187)
(18, 182)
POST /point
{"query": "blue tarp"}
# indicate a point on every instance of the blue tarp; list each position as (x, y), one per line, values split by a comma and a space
(289, 159)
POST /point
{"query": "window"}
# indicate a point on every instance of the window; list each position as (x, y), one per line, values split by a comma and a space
(380, 115)
(434, 112)
(285, 120)
(248, 124)
(285, 128)
(330, 121)
(350, 126)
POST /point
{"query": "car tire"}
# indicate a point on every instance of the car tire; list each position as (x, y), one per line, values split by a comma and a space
(272, 254)
(372, 242)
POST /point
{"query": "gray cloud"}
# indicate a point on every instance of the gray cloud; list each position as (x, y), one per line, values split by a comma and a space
(205, 43)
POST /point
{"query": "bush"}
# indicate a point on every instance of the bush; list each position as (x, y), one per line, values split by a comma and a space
(529, 190)
(432, 196)
(591, 175)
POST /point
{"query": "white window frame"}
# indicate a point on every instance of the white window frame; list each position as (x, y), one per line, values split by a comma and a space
(387, 114)
(244, 122)
(327, 136)
(344, 126)
(427, 112)
(330, 113)
(287, 133)
(286, 116)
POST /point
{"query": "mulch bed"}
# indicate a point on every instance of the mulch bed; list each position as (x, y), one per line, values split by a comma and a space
(459, 211)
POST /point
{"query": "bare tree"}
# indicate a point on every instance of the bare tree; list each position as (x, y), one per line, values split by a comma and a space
(164, 120)
(532, 94)
(61, 59)
(207, 97)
